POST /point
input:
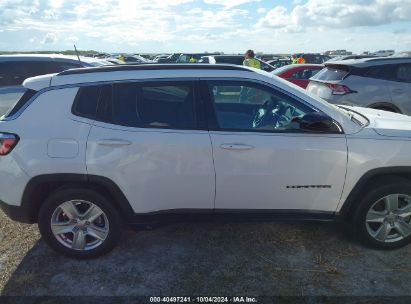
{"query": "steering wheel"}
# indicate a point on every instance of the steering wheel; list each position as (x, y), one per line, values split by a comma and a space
(267, 114)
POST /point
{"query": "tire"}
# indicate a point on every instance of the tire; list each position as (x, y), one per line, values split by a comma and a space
(91, 229)
(373, 222)
(388, 109)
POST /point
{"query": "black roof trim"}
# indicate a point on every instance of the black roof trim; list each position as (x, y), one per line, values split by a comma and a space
(150, 66)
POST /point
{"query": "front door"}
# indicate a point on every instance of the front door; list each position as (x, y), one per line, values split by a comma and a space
(262, 159)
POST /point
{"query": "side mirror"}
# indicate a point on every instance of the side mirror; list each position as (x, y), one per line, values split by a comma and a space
(318, 122)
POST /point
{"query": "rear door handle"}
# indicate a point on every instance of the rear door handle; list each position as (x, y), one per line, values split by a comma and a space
(235, 146)
(113, 142)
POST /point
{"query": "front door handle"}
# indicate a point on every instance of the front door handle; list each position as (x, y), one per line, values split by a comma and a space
(113, 142)
(236, 146)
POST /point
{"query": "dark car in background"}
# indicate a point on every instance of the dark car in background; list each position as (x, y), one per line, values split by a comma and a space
(14, 69)
(233, 59)
(313, 58)
(379, 83)
(298, 74)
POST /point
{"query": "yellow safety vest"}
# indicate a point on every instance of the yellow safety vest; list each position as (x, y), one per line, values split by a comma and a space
(251, 62)
(193, 60)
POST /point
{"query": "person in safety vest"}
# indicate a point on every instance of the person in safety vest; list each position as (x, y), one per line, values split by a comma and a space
(192, 60)
(294, 59)
(301, 60)
(250, 61)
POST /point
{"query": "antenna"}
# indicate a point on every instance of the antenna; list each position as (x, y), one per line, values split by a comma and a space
(78, 57)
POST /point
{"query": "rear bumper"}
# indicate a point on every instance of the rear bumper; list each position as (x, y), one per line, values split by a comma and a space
(16, 213)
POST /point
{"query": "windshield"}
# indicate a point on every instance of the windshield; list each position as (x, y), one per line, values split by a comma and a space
(332, 73)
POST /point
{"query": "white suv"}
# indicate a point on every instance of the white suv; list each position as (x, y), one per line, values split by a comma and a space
(88, 150)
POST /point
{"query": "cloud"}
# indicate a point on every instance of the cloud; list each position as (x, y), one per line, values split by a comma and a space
(336, 14)
(229, 3)
(50, 38)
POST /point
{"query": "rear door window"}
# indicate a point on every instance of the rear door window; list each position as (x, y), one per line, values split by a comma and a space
(168, 105)
(385, 72)
(404, 73)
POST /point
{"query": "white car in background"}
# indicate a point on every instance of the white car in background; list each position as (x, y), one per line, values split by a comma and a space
(88, 150)
(14, 69)
(384, 53)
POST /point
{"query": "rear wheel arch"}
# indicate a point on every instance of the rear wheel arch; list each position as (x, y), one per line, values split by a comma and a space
(372, 178)
(41, 187)
(386, 106)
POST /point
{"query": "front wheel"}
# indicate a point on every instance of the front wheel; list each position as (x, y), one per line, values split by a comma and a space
(383, 219)
(79, 223)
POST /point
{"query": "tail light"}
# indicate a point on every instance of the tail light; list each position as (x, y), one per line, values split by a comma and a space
(338, 89)
(7, 143)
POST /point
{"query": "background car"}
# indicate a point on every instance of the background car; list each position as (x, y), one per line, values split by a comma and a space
(298, 74)
(234, 59)
(135, 59)
(14, 69)
(348, 57)
(169, 59)
(186, 57)
(279, 62)
(402, 54)
(379, 83)
(313, 58)
(383, 53)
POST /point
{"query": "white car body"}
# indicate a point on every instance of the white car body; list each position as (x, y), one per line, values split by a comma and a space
(165, 169)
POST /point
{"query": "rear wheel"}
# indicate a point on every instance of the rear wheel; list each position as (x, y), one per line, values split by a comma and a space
(383, 218)
(388, 109)
(79, 223)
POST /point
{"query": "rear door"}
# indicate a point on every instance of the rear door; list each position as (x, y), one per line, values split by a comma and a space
(266, 164)
(400, 87)
(148, 141)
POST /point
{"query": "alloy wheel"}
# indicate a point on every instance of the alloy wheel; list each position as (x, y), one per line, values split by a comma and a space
(389, 219)
(79, 225)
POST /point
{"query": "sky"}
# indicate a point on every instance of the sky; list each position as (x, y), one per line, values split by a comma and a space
(230, 26)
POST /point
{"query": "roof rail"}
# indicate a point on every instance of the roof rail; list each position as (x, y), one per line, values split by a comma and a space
(151, 66)
(386, 58)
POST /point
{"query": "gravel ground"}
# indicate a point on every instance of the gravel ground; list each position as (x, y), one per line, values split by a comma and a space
(207, 259)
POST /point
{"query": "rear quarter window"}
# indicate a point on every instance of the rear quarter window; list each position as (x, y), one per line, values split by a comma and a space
(19, 103)
(86, 102)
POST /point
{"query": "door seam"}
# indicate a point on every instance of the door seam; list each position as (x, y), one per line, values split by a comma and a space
(215, 172)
